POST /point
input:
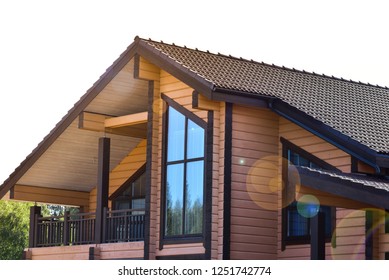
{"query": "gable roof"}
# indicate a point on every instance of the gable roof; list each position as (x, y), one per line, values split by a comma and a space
(351, 115)
(353, 111)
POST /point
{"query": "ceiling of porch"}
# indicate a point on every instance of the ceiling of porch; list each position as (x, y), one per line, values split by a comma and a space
(70, 162)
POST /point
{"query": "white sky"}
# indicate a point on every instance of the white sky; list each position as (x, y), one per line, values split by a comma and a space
(51, 52)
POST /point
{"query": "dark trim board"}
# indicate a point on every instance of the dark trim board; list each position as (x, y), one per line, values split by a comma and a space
(208, 187)
(227, 182)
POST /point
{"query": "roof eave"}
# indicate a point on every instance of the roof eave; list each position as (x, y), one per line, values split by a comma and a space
(336, 186)
(164, 62)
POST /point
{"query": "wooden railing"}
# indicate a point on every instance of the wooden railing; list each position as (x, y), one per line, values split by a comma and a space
(124, 225)
(77, 229)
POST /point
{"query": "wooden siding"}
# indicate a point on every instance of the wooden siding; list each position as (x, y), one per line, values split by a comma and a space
(109, 251)
(383, 238)
(181, 249)
(350, 224)
(124, 170)
(220, 199)
(254, 184)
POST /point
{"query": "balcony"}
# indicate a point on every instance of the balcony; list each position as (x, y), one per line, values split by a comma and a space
(80, 229)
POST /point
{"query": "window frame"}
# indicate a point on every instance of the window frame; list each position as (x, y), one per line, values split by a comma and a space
(185, 238)
(304, 239)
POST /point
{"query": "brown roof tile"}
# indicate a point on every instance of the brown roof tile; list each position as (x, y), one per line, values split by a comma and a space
(357, 110)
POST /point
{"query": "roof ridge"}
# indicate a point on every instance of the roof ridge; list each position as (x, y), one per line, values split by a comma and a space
(267, 64)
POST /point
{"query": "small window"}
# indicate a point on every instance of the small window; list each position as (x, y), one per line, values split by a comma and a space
(296, 228)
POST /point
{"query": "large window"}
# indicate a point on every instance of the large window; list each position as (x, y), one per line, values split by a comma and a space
(184, 176)
(296, 227)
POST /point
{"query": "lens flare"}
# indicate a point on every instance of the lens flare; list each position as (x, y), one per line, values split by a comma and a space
(308, 206)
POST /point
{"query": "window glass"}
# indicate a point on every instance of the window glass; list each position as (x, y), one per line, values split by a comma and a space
(133, 196)
(194, 197)
(176, 136)
(184, 183)
(195, 148)
(297, 225)
(174, 199)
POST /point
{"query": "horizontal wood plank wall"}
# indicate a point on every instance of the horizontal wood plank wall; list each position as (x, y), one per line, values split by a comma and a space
(182, 94)
(130, 250)
(50, 195)
(155, 194)
(350, 224)
(78, 252)
(254, 184)
(383, 238)
(216, 246)
(124, 170)
(181, 249)
(220, 163)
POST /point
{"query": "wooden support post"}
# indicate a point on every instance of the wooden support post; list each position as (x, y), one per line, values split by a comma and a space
(105, 224)
(318, 237)
(369, 235)
(102, 186)
(66, 228)
(34, 210)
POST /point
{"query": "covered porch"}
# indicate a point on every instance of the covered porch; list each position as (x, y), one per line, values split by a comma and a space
(83, 162)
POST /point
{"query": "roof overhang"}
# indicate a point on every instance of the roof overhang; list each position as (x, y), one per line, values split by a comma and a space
(359, 188)
(63, 145)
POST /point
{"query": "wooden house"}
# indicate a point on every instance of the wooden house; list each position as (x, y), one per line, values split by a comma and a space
(176, 153)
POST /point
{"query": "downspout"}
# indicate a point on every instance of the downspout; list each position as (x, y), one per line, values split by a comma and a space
(372, 164)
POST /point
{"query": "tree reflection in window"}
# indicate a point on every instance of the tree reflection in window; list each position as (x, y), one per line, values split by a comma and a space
(184, 176)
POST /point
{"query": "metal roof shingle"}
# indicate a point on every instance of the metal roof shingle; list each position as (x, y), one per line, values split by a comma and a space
(355, 109)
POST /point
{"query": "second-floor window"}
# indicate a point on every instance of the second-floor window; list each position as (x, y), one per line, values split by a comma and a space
(184, 176)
